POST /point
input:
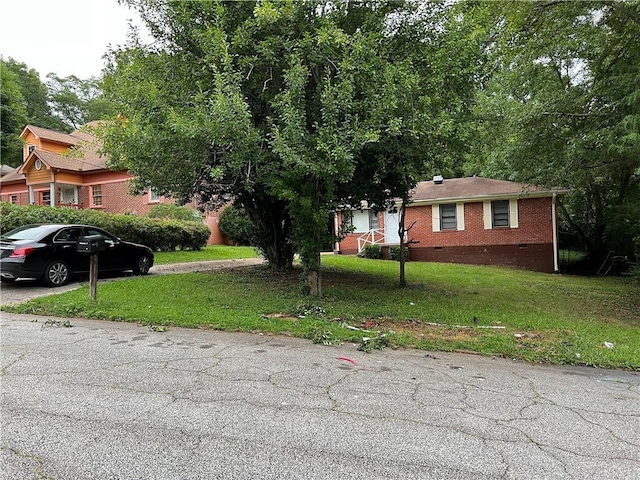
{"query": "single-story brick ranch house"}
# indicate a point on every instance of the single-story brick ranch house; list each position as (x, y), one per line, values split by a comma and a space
(53, 174)
(470, 220)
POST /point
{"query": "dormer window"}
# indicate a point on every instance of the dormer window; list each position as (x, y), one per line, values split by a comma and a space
(38, 164)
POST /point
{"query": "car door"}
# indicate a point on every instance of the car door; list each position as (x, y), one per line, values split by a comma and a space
(65, 244)
(113, 257)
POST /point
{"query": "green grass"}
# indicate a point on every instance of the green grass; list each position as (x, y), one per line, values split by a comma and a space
(546, 318)
(212, 252)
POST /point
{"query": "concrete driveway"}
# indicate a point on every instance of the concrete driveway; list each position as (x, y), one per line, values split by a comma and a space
(105, 400)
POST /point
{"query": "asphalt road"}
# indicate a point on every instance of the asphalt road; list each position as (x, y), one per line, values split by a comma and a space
(105, 400)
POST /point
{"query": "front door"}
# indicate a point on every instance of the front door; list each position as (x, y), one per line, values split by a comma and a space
(391, 223)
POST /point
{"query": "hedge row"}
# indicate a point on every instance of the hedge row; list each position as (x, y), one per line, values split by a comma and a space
(158, 234)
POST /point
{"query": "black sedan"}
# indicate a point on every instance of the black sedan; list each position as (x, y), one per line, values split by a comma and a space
(50, 253)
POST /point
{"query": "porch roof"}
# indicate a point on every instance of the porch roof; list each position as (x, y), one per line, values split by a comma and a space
(13, 177)
(90, 161)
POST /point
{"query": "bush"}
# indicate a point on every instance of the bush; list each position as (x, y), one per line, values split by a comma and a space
(394, 253)
(155, 233)
(235, 224)
(171, 211)
(371, 251)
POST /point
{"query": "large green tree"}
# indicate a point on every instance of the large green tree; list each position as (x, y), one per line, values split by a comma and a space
(274, 104)
(13, 115)
(563, 108)
(35, 96)
(77, 102)
(62, 104)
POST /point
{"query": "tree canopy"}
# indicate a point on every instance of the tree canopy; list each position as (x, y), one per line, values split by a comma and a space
(563, 108)
(62, 104)
(278, 104)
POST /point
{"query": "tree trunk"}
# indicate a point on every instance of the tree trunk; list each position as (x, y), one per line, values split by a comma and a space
(402, 231)
(403, 245)
(314, 281)
(311, 264)
(273, 221)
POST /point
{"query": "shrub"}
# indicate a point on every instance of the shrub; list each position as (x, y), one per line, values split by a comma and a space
(157, 234)
(394, 253)
(371, 251)
(235, 224)
(171, 211)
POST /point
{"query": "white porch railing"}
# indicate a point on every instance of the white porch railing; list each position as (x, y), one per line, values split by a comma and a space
(371, 237)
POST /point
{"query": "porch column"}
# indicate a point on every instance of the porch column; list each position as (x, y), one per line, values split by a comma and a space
(32, 195)
(52, 194)
(75, 195)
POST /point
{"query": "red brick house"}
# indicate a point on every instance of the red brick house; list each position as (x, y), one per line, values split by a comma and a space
(61, 169)
(471, 220)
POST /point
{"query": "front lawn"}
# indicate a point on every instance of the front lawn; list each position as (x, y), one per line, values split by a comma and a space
(524, 315)
(212, 252)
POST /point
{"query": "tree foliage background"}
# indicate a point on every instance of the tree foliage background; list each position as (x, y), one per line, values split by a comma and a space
(62, 104)
(563, 108)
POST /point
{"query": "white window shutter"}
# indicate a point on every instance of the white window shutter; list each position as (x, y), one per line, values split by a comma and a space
(486, 214)
(435, 217)
(513, 213)
(460, 215)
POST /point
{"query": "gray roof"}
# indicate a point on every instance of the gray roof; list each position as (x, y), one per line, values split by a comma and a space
(478, 188)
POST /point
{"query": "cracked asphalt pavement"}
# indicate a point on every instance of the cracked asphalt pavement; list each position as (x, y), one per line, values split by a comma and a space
(105, 400)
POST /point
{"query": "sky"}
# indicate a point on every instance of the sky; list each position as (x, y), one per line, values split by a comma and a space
(66, 37)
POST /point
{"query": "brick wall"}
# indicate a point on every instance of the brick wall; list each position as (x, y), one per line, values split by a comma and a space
(23, 197)
(528, 246)
(535, 226)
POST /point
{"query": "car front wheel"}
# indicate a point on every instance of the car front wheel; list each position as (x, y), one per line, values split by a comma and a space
(142, 265)
(56, 274)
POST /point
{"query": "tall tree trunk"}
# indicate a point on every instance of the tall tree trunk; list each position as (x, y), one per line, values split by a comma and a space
(314, 277)
(273, 221)
(403, 244)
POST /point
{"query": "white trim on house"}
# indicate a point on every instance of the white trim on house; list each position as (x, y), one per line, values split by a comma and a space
(460, 215)
(435, 216)
(487, 214)
(513, 213)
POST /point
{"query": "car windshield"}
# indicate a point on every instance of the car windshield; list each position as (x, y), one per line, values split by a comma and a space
(27, 233)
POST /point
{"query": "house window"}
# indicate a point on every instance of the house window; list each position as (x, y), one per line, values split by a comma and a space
(448, 217)
(500, 213)
(373, 220)
(45, 197)
(14, 199)
(360, 221)
(153, 196)
(96, 196)
(31, 148)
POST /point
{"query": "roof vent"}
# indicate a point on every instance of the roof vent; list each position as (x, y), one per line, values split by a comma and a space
(437, 179)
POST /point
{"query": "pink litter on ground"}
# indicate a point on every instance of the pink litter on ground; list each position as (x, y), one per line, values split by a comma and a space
(348, 360)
